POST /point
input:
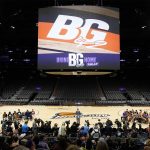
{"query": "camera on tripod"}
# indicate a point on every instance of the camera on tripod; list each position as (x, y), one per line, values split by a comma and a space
(67, 122)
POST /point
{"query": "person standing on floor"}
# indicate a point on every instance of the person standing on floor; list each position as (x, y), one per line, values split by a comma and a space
(78, 115)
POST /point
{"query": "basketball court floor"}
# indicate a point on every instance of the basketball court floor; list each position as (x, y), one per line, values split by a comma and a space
(59, 114)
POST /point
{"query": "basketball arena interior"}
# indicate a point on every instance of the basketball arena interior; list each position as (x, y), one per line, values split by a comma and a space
(74, 75)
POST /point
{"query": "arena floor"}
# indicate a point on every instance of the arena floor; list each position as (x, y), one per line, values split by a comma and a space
(90, 113)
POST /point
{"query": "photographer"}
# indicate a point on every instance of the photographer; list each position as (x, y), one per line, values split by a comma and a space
(87, 122)
(109, 123)
(19, 114)
(84, 130)
(67, 127)
(100, 124)
(16, 125)
(134, 125)
(4, 116)
(96, 133)
(62, 130)
(47, 127)
(34, 127)
(55, 129)
(9, 130)
(118, 123)
(74, 129)
(4, 125)
(25, 127)
(10, 116)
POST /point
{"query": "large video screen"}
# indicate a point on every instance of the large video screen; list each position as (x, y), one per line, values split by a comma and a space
(78, 37)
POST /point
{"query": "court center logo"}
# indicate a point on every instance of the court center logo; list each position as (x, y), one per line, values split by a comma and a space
(73, 115)
(79, 30)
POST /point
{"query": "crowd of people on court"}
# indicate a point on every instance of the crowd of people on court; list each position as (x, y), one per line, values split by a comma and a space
(18, 115)
(42, 135)
(135, 115)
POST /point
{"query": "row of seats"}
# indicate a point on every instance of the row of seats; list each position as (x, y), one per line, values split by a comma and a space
(112, 103)
(45, 102)
(25, 94)
(45, 91)
(13, 101)
(114, 95)
(135, 95)
(9, 88)
(138, 103)
(75, 89)
(146, 95)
